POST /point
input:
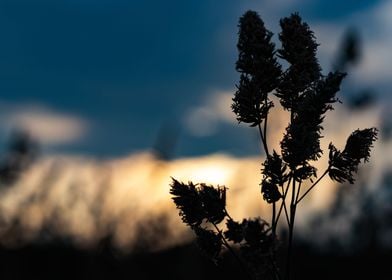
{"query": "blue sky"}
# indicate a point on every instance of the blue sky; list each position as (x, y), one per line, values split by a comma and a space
(110, 76)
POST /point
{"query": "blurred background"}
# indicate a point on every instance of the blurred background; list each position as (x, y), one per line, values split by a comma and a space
(101, 102)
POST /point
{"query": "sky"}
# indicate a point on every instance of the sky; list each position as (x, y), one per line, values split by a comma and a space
(109, 78)
(102, 83)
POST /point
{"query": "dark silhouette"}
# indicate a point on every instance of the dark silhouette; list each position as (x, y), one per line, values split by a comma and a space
(348, 55)
(307, 95)
(21, 153)
(350, 50)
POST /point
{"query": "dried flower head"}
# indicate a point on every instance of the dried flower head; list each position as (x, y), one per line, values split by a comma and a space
(275, 169)
(344, 164)
(258, 247)
(301, 141)
(186, 198)
(209, 242)
(234, 231)
(270, 191)
(198, 202)
(299, 50)
(259, 70)
(255, 231)
(359, 143)
(213, 201)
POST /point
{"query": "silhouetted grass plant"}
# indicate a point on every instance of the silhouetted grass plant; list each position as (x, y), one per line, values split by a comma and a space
(307, 95)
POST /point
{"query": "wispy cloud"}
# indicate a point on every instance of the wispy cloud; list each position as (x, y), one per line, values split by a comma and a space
(46, 125)
(204, 119)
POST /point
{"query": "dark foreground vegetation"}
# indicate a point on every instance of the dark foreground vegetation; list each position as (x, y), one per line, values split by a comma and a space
(63, 261)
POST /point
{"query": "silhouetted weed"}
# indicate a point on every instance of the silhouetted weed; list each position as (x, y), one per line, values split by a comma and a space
(307, 95)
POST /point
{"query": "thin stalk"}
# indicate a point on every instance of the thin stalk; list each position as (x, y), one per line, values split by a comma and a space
(291, 231)
(228, 215)
(263, 136)
(291, 219)
(273, 222)
(265, 128)
(286, 212)
(273, 219)
(283, 204)
(298, 192)
(263, 140)
(314, 184)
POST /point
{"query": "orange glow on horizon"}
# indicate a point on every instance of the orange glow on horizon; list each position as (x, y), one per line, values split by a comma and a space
(86, 199)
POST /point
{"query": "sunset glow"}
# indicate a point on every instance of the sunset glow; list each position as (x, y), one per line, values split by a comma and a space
(86, 199)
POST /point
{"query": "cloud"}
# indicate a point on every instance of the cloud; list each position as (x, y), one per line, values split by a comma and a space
(49, 127)
(375, 28)
(128, 198)
(214, 110)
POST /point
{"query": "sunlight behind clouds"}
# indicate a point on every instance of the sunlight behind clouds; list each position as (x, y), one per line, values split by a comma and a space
(86, 200)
